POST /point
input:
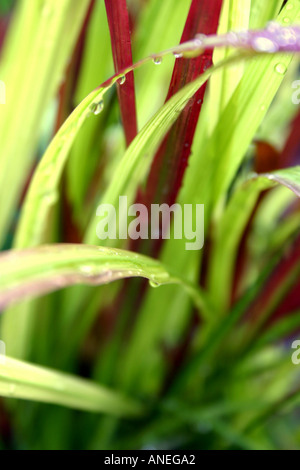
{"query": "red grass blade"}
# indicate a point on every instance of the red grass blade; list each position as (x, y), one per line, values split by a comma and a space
(171, 160)
(119, 25)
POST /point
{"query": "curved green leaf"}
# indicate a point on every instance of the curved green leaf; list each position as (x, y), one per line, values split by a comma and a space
(19, 379)
(32, 272)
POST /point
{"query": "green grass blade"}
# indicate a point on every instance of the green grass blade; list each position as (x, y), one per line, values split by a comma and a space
(48, 268)
(151, 94)
(235, 17)
(25, 381)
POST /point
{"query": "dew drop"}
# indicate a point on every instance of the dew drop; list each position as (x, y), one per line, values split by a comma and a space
(97, 108)
(157, 60)
(286, 20)
(287, 37)
(177, 55)
(262, 44)
(122, 80)
(154, 284)
(280, 69)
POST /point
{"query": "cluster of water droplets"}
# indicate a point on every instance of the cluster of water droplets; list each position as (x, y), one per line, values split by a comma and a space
(97, 107)
(93, 274)
(275, 37)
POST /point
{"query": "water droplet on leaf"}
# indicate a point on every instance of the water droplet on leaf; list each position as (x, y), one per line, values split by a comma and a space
(157, 60)
(280, 69)
(286, 37)
(154, 284)
(122, 80)
(97, 108)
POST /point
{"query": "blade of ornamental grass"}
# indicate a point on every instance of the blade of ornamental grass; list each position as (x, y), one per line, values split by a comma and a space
(118, 20)
(36, 271)
(235, 17)
(21, 380)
